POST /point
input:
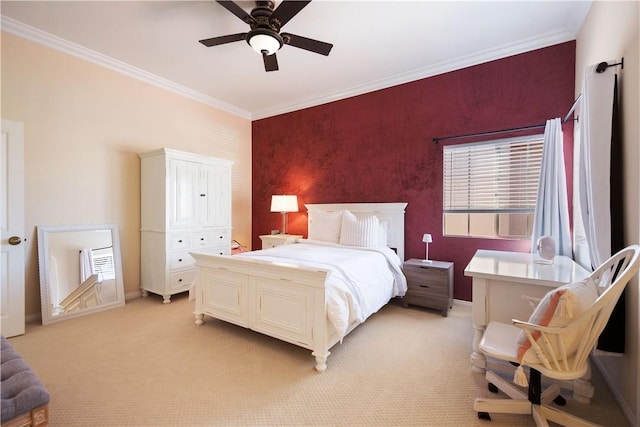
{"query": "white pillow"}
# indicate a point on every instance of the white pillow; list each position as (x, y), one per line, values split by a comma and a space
(325, 226)
(363, 232)
(383, 233)
(558, 308)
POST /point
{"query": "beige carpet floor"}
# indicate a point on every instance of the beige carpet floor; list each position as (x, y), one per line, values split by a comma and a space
(148, 364)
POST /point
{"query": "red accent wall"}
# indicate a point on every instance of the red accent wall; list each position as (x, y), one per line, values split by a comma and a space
(378, 147)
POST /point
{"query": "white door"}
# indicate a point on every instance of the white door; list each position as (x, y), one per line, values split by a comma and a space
(183, 176)
(12, 229)
(214, 182)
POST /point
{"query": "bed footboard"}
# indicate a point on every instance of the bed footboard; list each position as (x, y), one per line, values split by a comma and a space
(284, 302)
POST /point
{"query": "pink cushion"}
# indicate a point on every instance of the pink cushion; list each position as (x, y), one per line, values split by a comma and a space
(558, 308)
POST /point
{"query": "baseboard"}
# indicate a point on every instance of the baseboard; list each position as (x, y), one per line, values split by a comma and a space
(132, 295)
(462, 302)
(615, 391)
(36, 317)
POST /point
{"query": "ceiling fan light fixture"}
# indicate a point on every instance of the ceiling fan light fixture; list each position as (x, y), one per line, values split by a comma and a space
(265, 43)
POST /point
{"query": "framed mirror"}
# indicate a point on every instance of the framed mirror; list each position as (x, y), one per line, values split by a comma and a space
(80, 270)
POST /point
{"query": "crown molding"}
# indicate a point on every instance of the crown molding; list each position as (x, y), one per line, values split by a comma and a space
(35, 35)
(525, 45)
(481, 57)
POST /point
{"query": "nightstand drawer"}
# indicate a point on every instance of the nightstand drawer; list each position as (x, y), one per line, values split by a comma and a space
(426, 275)
(431, 301)
(428, 289)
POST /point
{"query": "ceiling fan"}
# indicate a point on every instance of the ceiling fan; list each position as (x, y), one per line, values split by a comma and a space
(265, 36)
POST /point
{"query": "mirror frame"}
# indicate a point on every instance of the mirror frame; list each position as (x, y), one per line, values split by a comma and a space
(45, 283)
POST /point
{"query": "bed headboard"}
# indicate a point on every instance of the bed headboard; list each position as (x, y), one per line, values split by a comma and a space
(393, 213)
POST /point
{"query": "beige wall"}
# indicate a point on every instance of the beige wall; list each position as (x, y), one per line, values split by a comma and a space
(84, 127)
(610, 32)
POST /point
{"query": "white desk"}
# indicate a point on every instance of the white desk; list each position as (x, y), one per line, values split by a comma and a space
(500, 279)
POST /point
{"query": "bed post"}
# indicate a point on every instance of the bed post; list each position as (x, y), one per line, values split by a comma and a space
(196, 288)
(320, 332)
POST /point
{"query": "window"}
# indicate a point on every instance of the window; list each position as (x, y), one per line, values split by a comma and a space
(103, 263)
(490, 188)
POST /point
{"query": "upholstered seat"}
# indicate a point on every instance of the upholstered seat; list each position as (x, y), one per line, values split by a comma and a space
(24, 398)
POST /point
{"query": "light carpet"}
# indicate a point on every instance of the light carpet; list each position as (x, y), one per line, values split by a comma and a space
(148, 364)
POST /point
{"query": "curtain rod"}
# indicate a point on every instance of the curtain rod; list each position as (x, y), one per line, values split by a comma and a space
(492, 132)
(572, 109)
(599, 69)
(604, 65)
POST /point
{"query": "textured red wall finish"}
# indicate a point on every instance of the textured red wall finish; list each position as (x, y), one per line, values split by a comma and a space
(378, 147)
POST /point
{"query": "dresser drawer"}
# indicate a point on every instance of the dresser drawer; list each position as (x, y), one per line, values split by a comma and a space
(179, 241)
(205, 239)
(219, 250)
(179, 260)
(181, 280)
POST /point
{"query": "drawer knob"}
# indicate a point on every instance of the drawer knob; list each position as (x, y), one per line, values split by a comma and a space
(180, 241)
(179, 280)
(202, 238)
(179, 259)
(203, 195)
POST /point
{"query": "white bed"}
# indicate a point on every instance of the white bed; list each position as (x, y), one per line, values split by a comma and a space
(315, 301)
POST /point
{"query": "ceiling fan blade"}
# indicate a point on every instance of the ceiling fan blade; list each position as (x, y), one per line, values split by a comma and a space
(270, 62)
(307, 44)
(215, 41)
(237, 10)
(286, 11)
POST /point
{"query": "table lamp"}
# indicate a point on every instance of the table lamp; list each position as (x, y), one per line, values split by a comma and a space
(427, 239)
(284, 204)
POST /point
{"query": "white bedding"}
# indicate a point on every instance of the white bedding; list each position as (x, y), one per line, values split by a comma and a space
(360, 282)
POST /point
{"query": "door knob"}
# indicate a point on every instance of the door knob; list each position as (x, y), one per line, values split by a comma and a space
(15, 240)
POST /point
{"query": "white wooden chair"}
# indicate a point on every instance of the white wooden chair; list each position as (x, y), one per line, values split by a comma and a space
(561, 352)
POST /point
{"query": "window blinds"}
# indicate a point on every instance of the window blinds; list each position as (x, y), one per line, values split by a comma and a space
(498, 176)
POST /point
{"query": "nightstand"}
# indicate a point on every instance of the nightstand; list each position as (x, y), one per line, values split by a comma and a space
(430, 284)
(273, 240)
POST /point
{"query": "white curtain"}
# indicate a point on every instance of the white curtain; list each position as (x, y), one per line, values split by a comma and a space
(592, 216)
(86, 264)
(551, 217)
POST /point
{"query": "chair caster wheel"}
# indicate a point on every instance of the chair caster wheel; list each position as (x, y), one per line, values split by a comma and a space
(560, 401)
(492, 388)
(484, 416)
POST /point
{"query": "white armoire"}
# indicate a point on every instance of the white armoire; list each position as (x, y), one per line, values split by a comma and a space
(186, 206)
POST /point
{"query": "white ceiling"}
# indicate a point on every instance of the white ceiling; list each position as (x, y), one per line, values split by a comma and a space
(377, 44)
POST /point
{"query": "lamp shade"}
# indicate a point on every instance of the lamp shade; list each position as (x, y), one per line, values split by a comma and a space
(284, 203)
(427, 238)
(265, 43)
